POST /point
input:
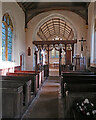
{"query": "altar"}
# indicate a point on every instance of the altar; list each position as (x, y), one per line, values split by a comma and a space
(56, 64)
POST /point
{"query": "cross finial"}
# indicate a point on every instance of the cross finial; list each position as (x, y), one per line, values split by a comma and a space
(82, 40)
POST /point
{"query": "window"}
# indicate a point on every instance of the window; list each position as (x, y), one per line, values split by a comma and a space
(7, 33)
(54, 53)
(57, 54)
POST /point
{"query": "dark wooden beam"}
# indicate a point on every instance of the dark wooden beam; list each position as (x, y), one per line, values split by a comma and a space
(20, 4)
(28, 4)
(64, 30)
(69, 34)
(57, 8)
(54, 42)
(34, 8)
(53, 26)
(37, 11)
(43, 33)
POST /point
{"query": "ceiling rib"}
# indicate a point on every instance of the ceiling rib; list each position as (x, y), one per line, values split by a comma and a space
(54, 27)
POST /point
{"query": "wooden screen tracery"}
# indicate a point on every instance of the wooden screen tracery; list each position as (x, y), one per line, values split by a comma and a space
(7, 33)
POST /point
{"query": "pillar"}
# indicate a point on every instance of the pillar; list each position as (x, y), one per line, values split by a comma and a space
(35, 60)
(60, 51)
(72, 45)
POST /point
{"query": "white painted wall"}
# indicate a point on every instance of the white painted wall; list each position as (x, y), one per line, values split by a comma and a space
(78, 23)
(95, 31)
(91, 47)
(0, 57)
(18, 19)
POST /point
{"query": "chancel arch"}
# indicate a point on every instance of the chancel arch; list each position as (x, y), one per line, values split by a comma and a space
(56, 32)
(48, 18)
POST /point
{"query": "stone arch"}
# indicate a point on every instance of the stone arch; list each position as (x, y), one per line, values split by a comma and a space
(50, 17)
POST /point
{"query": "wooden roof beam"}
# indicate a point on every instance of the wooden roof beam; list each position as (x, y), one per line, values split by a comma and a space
(54, 42)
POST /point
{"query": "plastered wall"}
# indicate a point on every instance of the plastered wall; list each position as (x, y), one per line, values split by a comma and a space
(91, 35)
(18, 19)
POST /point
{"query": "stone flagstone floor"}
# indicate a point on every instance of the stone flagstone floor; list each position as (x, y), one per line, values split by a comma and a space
(47, 103)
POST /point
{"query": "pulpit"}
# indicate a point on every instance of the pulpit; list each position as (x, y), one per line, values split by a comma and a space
(79, 62)
(82, 63)
(76, 62)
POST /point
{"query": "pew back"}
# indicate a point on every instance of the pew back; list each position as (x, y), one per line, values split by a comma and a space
(33, 72)
(79, 79)
(29, 76)
(26, 87)
(12, 101)
(78, 82)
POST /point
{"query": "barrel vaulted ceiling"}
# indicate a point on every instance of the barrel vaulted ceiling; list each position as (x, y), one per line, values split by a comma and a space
(31, 9)
(55, 29)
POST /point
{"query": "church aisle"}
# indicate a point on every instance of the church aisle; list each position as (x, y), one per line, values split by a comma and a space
(47, 103)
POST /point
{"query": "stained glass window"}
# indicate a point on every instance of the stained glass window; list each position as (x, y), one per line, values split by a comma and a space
(3, 42)
(57, 54)
(54, 53)
(7, 33)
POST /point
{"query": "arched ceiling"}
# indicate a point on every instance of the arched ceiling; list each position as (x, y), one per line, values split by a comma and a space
(55, 29)
(32, 9)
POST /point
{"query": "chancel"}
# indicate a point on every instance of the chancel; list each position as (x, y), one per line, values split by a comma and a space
(48, 60)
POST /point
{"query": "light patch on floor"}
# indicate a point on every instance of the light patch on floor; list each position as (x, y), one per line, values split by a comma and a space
(53, 73)
(47, 104)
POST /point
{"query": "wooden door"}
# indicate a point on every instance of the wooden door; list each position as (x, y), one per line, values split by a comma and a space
(22, 62)
(68, 57)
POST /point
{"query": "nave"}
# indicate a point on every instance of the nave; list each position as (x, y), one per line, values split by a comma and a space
(48, 60)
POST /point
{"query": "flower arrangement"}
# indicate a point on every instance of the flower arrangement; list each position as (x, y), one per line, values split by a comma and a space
(86, 108)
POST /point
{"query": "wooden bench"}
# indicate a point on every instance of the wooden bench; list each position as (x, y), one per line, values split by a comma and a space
(12, 100)
(76, 81)
(77, 73)
(29, 76)
(26, 87)
(38, 73)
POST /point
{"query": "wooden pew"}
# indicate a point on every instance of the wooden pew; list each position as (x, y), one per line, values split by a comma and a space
(26, 87)
(77, 79)
(31, 77)
(79, 85)
(78, 73)
(12, 100)
(80, 88)
(38, 73)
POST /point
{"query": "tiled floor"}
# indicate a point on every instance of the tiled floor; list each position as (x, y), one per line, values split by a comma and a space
(53, 72)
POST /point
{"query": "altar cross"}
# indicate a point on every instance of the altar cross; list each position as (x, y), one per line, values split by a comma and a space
(82, 40)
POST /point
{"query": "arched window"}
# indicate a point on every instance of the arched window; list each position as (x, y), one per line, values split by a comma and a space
(7, 33)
